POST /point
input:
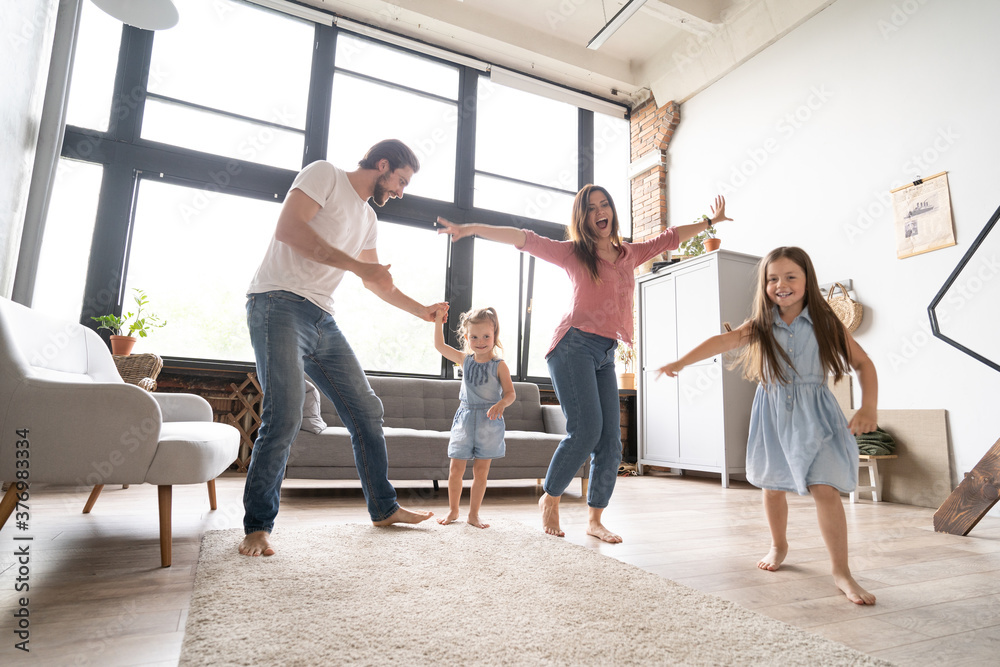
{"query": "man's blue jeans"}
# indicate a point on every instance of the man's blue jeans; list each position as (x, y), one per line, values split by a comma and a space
(582, 367)
(292, 335)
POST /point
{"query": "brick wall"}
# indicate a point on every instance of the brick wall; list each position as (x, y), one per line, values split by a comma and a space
(652, 128)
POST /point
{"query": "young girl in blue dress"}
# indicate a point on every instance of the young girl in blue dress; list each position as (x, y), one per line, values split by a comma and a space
(799, 440)
(478, 428)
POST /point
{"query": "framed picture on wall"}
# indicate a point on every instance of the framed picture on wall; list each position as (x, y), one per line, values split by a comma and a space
(922, 212)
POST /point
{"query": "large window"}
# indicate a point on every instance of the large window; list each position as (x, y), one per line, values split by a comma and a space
(94, 69)
(69, 228)
(382, 93)
(385, 338)
(175, 170)
(212, 87)
(526, 153)
(193, 253)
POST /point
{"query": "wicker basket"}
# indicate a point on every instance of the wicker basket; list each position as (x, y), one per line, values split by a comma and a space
(845, 308)
(140, 369)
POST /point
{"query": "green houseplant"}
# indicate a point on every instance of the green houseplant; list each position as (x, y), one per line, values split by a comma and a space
(626, 355)
(707, 241)
(138, 324)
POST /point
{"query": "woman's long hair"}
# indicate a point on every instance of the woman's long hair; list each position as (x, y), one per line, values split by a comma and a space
(759, 358)
(583, 237)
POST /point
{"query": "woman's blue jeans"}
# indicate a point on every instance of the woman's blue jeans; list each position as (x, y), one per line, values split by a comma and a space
(290, 336)
(582, 367)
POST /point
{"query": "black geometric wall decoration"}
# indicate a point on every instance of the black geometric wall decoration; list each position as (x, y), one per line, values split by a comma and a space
(970, 298)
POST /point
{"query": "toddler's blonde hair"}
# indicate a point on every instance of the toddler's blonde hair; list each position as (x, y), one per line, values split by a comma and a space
(479, 316)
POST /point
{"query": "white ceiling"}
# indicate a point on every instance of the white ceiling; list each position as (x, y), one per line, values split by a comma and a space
(670, 48)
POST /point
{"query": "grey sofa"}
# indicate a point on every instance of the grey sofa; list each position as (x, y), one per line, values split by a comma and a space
(417, 422)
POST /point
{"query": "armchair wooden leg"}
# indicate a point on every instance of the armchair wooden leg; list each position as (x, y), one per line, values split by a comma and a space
(93, 498)
(164, 496)
(8, 503)
(584, 485)
(211, 495)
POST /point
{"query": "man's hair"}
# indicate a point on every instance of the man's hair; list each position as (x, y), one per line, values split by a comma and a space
(395, 151)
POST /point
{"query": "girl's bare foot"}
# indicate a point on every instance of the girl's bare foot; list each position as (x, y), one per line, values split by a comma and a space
(598, 530)
(774, 558)
(256, 544)
(451, 518)
(403, 515)
(550, 515)
(852, 590)
(474, 521)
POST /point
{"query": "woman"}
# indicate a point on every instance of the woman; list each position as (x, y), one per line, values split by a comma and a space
(581, 358)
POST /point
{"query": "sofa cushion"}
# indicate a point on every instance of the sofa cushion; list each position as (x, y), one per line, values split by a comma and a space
(312, 419)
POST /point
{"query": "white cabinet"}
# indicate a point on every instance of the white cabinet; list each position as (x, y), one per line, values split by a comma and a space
(700, 419)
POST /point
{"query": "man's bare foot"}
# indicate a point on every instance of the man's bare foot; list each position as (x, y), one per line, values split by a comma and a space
(597, 529)
(256, 544)
(550, 515)
(451, 518)
(403, 515)
(474, 521)
(774, 558)
(852, 590)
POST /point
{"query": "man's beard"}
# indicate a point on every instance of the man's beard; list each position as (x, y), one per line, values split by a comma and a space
(381, 195)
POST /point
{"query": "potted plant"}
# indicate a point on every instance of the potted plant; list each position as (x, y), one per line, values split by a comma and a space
(138, 324)
(707, 241)
(626, 355)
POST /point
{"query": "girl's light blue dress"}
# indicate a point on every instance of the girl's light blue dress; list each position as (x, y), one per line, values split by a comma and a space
(473, 434)
(798, 433)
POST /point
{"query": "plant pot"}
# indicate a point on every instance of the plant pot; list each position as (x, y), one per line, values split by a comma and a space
(626, 380)
(122, 345)
(711, 244)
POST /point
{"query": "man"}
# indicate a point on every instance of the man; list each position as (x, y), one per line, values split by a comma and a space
(326, 227)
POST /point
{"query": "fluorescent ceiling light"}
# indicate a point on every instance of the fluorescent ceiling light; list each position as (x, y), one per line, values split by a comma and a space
(617, 21)
(545, 89)
(296, 10)
(145, 14)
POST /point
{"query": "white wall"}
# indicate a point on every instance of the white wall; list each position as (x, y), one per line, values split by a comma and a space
(25, 43)
(806, 140)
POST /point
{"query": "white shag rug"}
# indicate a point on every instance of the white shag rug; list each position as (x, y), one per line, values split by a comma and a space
(353, 594)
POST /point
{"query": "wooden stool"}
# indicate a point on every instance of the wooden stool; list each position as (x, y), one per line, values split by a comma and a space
(875, 482)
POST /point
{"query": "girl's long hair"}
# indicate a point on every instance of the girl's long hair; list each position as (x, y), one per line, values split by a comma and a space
(583, 237)
(479, 316)
(759, 359)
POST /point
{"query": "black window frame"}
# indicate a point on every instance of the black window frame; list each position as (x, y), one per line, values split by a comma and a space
(127, 157)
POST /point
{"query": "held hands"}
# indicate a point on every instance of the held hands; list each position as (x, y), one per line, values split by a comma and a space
(456, 232)
(496, 411)
(719, 210)
(670, 370)
(863, 421)
(436, 312)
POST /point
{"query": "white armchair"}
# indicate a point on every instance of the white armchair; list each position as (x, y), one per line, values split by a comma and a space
(67, 417)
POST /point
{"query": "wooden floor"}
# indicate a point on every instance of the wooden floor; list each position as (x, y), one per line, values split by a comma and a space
(97, 595)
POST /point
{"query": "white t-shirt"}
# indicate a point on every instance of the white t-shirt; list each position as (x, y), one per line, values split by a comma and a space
(344, 220)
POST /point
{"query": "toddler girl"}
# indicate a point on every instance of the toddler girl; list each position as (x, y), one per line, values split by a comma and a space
(478, 428)
(799, 438)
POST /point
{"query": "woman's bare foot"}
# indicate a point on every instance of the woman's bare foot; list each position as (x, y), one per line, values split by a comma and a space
(852, 590)
(474, 521)
(550, 515)
(774, 558)
(451, 518)
(597, 529)
(256, 544)
(403, 515)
